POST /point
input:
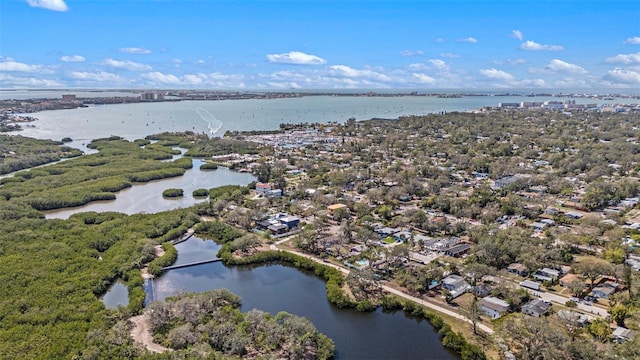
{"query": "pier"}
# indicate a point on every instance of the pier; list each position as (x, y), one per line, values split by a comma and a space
(190, 264)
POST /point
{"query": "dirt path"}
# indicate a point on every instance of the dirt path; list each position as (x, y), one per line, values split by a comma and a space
(141, 333)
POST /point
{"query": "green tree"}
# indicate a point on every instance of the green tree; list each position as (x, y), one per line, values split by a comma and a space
(619, 313)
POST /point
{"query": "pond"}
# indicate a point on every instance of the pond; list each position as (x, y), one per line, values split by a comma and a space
(147, 197)
(274, 288)
(117, 295)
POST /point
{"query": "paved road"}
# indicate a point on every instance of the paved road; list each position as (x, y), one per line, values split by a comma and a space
(399, 293)
(437, 308)
(558, 299)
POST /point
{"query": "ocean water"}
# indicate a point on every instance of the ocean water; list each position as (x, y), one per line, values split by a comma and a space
(215, 117)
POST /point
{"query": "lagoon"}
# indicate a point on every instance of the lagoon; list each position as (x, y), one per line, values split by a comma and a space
(147, 197)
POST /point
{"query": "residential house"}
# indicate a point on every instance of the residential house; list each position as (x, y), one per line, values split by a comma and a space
(275, 193)
(457, 250)
(574, 316)
(290, 221)
(335, 207)
(548, 222)
(530, 284)
(538, 226)
(566, 280)
(402, 236)
(263, 188)
(493, 307)
(546, 274)
(573, 215)
(518, 269)
(621, 334)
(267, 190)
(482, 290)
(536, 308)
(604, 290)
(456, 285)
(278, 229)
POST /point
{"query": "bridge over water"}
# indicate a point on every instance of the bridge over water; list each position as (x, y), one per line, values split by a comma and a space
(190, 264)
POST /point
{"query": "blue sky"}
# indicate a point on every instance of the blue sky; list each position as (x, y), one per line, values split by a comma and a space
(320, 44)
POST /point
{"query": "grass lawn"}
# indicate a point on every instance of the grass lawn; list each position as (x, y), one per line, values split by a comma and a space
(389, 240)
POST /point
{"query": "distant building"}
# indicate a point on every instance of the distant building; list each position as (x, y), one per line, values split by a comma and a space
(151, 96)
(509, 105)
(68, 98)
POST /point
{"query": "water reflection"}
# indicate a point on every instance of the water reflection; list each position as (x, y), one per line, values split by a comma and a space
(118, 294)
(274, 288)
(147, 197)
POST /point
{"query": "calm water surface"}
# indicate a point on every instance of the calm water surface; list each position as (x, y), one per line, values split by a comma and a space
(274, 288)
(147, 197)
(134, 121)
(117, 295)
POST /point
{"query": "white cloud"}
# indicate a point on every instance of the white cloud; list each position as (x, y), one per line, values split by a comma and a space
(135, 50)
(560, 66)
(126, 65)
(532, 45)
(20, 81)
(55, 5)
(439, 64)
(449, 55)
(72, 58)
(532, 82)
(516, 61)
(297, 58)
(411, 52)
(517, 34)
(200, 62)
(11, 65)
(571, 82)
(99, 76)
(625, 59)
(424, 79)
(496, 74)
(633, 40)
(346, 71)
(160, 78)
(623, 76)
(470, 39)
(199, 79)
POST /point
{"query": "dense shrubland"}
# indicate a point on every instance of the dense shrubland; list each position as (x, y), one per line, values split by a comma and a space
(53, 272)
(211, 322)
(18, 152)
